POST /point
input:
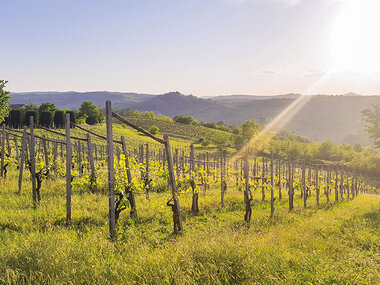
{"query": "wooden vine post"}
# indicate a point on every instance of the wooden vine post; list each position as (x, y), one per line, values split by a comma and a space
(247, 192)
(291, 189)
(336, 187)
(90, 157)
(32, 159)
(22, 160)
(317, 185)
(68, 169)
(223, 183)
(175, 205)
(111, 171)
(194, 204)
(272, 199)
(131, 194)
(305, 194)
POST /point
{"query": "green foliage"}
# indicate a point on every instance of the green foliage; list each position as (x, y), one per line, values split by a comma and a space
(47, 107)
(72, 117)
(154, 130)
(246, 132)
(149, 115)
(164, 118)
(16, 118)
(46, 119)
(92, 112)
(59, 119)
(31, 113)
(187, 120)
(372, 118)
(4, 101)
(31, 107)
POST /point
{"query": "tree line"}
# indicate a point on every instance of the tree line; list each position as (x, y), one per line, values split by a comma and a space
(48, 115)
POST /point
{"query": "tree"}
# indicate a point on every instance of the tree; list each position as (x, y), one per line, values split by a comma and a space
(15, 118)
(46, 119)
(31, 107)
(4, 101)
(245, 132)
(59, 119)
(92, 111)
(29, 114)
(187, 120)
(372, 118)
(47, 107)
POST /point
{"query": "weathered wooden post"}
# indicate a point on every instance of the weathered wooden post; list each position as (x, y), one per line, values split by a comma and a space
(304, 185)
(146, 176)
(336, 187)
(111, 173)
(291, 189)
(33, 159)
(79, 158)
(90, 157)
(223, 183)
(68, 169)
(317, 185)
(194, 204)
(247, 196)
(279, 181)
(23, 149)
(131, 194)
(45, 151)
(272, 199)
(175, 205)
(263, 180)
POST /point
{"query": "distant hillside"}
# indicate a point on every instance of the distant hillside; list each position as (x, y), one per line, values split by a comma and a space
(73, 99)
(175, 103)
(245, 98)
(337, 118)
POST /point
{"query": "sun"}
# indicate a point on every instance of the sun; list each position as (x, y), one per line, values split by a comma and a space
(355, 40)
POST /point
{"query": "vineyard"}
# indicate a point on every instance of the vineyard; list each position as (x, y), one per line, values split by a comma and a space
(154, 193)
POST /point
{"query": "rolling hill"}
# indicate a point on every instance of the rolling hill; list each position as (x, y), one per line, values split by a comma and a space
(322, 117)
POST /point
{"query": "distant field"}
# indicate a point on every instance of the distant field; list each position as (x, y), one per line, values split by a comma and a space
(329, 244)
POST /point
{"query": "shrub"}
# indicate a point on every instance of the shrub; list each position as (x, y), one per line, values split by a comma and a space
(15, 118)
(154, 130)
(29, 114)
(59, 119)
(46, 119)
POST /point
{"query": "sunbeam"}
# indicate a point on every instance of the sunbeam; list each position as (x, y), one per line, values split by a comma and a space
(285, 116)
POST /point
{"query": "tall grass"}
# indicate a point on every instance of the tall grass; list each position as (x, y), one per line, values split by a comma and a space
(329, 244)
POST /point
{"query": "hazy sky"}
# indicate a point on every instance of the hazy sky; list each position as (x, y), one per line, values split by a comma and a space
(200, 47)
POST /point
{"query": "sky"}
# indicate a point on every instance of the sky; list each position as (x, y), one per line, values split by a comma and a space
(199, 47)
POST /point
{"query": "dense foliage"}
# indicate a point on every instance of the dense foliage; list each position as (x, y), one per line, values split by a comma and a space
(4, 100)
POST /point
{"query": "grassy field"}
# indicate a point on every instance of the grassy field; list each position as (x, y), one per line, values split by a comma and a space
(329, 244)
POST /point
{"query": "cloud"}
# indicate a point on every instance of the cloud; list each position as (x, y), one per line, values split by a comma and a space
(286, 2)
(300, 72)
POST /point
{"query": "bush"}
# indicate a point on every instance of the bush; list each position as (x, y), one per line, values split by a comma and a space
(154, 130)
(59, 119)
(15, 118)
(46, 119)
(72, 117)
(187, 120)
(29, 114)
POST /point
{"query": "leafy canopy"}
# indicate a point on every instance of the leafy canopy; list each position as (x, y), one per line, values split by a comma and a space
(372, 118)
(92, 112)
(4, 101)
